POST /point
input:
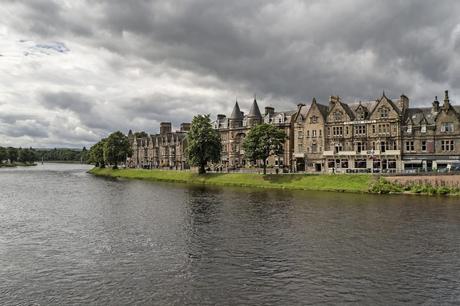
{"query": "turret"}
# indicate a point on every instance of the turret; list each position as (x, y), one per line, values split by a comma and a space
(254, 116)
(185, 127)
(269, 110)
(236, 118)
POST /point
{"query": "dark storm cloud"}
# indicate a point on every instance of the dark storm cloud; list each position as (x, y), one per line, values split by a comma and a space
(285, 51)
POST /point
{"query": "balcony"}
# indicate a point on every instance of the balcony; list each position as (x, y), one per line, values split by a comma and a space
(346, 153)
(328, 153)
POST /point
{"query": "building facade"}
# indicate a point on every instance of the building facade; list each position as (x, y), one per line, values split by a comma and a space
(384, 135)
(233, 130)
(164, 150)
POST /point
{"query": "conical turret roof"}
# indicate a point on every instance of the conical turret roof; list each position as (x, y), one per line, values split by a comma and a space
(236, 113)
(255, 111)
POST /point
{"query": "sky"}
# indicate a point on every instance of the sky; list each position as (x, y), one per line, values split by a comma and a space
(73, 71)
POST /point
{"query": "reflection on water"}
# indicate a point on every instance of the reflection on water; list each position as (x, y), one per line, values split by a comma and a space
(69, 238)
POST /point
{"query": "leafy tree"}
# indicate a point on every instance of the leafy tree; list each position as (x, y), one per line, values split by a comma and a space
(96, 154)
(262, 141)
(12, 154)
(141, 134)
(3, 154)
(26, 155)
(116, 149)
(204, 143)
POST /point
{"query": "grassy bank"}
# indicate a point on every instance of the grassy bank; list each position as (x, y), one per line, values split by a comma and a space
(384, 186)
(340, 183)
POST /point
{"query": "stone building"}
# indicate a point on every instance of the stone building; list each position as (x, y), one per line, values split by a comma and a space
(163, 150)
(233, 130)
(375, 136)
(431, 136)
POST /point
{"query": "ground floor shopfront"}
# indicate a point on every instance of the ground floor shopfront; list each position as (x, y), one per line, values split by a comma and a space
(427, 163)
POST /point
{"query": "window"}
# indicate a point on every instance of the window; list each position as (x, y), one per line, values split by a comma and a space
(447, 127)
(359, 147)
(360, 130)
(409, 128)
(313, 133)
(314, 148)
(300, 134)
(373, 128)
(338, 148)
(423, 146)
(423, 128)
(447, 145)
(337, 130)
(384, 111)
(320, 132)
(299, 147)
(308, 133)
(410, 146)
(338, 116)
(383, 146)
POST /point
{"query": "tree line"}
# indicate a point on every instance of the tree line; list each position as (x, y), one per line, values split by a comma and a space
(204, 145)
(30, 155)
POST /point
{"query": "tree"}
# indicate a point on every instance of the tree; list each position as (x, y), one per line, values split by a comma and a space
(96, 154)
(116, 149)
(204, 143)
(12, 154)
(26, 155)
(3, 154)
(140, 134)
(262, 141)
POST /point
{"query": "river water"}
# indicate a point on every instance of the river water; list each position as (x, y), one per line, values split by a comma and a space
(67, 237)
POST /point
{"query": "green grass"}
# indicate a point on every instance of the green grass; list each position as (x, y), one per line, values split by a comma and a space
(343, 182)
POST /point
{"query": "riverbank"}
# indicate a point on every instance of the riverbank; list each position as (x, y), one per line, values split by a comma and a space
(357, 183)
(340, 183)
(17, 165)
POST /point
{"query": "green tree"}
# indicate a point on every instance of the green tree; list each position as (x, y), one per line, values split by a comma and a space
(141, 134)
(204, 143)
(96, 154)
(3, 154)
(26, 155)
(116, 149)
(12, 154)
(262, 141)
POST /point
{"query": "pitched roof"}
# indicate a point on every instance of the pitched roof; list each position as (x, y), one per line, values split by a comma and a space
(236, 113)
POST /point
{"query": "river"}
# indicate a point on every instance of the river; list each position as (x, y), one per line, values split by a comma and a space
(67, 237)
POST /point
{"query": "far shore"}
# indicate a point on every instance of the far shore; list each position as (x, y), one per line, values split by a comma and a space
(356, 183)
(17, 164)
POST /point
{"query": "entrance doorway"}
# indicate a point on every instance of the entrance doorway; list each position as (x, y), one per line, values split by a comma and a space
(318, 167)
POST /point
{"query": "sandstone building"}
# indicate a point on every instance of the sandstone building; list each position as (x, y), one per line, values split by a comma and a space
(382, 135)
(163, 150)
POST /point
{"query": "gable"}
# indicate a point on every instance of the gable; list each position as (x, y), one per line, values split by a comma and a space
(338, 114)
(384, 109)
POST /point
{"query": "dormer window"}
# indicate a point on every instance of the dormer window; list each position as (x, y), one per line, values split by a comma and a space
(409, 128)
(423, 128)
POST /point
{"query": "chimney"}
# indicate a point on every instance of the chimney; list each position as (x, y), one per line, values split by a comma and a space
(269, 110)
(165, 128)
(185, 127)
(446, 104)
(403, 103)
(435, 108)
(332, 101)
